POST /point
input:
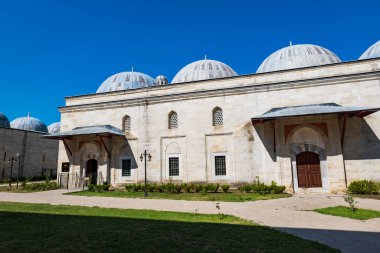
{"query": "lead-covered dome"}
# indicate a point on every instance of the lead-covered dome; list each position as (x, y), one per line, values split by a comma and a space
(202, 70)
(372, 52)
(54, 128)
(298, 56)
(4, 121)
(30, 124)
(126, 81)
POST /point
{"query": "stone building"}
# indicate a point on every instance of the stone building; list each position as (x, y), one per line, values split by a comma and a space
(33, 155)
(305, 120)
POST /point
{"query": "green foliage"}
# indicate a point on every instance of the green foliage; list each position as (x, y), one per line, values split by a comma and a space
(47, 186)
(262, 188)
(205, 188)
(197, 188)
(213, 187)
(187, 187)
(247, 188)
(364, 187)
(225, 188)
(91, 187)
(351, 202)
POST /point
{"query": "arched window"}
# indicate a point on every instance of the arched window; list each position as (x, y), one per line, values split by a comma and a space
(173, 120)
(217, 116)
(126, 123)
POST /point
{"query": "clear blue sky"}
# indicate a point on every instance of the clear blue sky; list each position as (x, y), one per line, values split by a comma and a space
(52, 49)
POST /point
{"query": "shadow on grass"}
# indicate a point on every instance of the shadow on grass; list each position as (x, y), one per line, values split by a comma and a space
(36, 232)
(347, 241)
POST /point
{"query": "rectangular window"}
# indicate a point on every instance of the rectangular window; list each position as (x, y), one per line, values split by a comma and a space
(173, 166)
(220, 165)
(65, 167)
(126, 168)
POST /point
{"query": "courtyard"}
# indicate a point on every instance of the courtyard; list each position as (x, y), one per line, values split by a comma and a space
(229, 225)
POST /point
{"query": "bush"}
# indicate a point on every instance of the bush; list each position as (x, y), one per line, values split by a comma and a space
(247, 188)
(40, 186)
(197, 188)
(213, 187)
(105, 187)
(187, 187)
(225, 188)
(128, 187)
(363, 187)
(205, 188)
(178, 188)
(241, 188)
(150, 188)
(91, 187)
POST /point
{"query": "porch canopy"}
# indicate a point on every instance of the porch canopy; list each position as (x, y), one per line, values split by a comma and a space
(100, 131)
(314, 109)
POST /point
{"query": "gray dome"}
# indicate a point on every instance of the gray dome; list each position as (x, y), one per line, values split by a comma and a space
(54, 128)
(298, 56)
(202, 70)
(372, 52)
(161, 80)
(4, 121)
(126, 81)
(30, 124)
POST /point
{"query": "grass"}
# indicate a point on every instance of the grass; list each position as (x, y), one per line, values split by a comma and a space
(48, 228)
(222, 197)
(14, 189)
(343, 211)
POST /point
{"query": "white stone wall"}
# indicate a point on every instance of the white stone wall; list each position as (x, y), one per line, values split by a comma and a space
(249, 150)
(37, 152)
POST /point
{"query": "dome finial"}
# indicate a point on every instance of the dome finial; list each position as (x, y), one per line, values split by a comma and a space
(290, 43)
(28, 114)
(132, 68)
(205, 56)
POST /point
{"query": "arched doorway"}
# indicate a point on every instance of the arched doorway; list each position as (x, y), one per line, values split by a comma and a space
(308, 170)
(92, 170)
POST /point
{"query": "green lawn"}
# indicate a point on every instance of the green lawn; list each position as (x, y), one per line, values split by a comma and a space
(223, 197)
(343, 211)
(48, 228)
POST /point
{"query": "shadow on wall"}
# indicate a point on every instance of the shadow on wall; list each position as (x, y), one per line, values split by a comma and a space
(360, 142)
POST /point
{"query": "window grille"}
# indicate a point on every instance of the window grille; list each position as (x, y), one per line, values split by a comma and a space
(126, 168)
(173, 120)
(127, 124)
(173, 166)
(220, 165)
(217, 117)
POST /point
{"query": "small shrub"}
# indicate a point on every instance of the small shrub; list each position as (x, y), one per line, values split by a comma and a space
(98, 188)
(205, 188)
(187, 187)
(41, 186)
(197, 188)
(214, 187)
(247, 188)
(105, 187)
(363, 187)
(150, 188)
(241, 189)
(128, 187)
(91, 187)
(351, 202)
(178, 188)
(225, 188)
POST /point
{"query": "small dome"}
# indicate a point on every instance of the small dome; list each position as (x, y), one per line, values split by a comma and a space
(161, 80)
(297, 56)
(30, 124)
(54, 128)
(126, 81)
(4, 121)
(202, 70)
(372, 52)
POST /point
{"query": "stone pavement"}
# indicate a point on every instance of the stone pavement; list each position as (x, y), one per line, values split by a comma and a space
(291, 215)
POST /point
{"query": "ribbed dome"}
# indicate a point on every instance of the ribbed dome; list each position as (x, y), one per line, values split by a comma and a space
(4, 121)
(372, 52)
(126, 81)
(298, 56)
(54, 128)
(30, 124)
(202, 70)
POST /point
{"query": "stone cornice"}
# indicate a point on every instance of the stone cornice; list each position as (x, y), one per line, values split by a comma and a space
(228, 91)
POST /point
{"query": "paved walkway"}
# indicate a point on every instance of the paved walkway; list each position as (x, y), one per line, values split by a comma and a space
(292, 215)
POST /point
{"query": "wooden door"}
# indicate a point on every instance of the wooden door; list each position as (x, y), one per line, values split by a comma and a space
(308, 170)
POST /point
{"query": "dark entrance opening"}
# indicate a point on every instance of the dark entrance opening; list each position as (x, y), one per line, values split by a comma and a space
(308, 170)
(92, 170)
